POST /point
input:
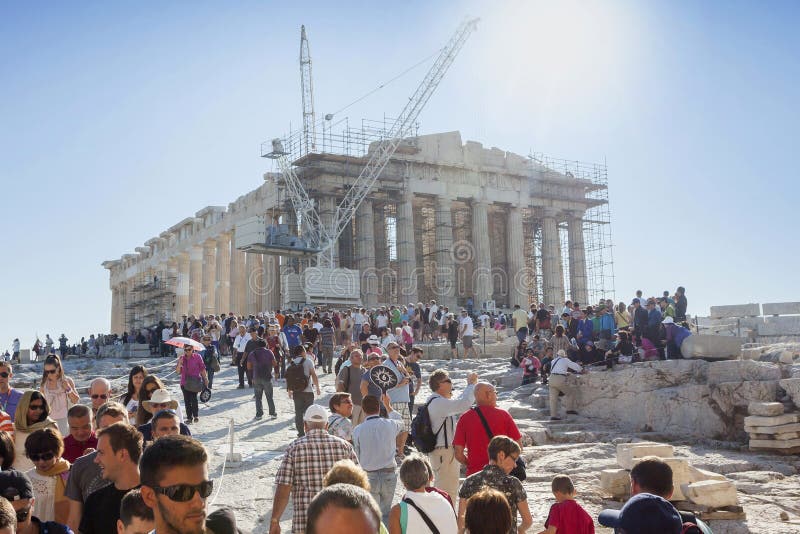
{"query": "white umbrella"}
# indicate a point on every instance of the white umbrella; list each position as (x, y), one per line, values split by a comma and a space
(183, 341)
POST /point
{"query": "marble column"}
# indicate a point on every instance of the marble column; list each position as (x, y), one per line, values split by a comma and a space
(327, 209)
(577, 258)
(238, 282)
(552, 277)
(482, 275)
(406, 250)
(518, 279)
(171, 284)
(182, 286)
(208, 292)
(381, 254)
(365, 253)
(195, 280)
(114, 311)
(270, 300)
(222, 285)
(253, 286)
(445, 268)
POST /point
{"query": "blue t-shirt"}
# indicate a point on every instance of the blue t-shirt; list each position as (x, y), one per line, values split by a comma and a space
(294, 335)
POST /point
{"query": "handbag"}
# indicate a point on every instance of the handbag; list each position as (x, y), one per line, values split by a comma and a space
(519, 470)
(193, 384)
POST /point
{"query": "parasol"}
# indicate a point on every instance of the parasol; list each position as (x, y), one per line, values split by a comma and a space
(183, 341)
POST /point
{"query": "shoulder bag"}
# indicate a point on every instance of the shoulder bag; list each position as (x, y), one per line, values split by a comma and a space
(519, 470)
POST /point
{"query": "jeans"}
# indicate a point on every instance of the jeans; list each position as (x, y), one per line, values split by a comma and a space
(190, 401)
(302, 400)
(522, 333)
(210, 373)
(326, 358)
(264, 387)
(240, 367)
(383, 484)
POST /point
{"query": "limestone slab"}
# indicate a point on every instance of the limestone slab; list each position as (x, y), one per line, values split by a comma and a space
(768, 409)
(787, 436)
(742, 370)
(712, 493)
(780, 429)
(780, 326)
(736, 310)
(729, 395)
(683, 473)
(792, 388)
(774, 443)
(759, 421)
(714, 347)
(629, 453)
(617, 482)
(781, 308)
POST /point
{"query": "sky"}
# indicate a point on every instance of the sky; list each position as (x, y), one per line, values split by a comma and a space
(120, 119)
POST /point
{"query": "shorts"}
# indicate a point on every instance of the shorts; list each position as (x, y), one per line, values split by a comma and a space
(402, 409)
(466, 341)
(452, 343)
(443, 329)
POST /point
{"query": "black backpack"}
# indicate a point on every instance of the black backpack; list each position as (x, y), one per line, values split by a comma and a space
(422, 430)
(296, 379)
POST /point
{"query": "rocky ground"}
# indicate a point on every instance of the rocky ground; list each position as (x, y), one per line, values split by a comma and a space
(768, 485)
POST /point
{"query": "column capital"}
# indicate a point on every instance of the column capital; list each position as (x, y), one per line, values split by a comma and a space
(575, 214)
(550, 212)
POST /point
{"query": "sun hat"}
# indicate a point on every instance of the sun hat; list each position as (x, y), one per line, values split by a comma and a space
(373, 340)
(160, 396)
(668, 320)
(315, 414)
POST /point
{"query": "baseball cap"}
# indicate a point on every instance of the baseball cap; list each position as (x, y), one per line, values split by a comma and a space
(315, 414)
(15, 485)
(644, 513)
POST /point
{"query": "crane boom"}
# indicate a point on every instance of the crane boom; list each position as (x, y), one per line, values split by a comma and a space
(307, 91)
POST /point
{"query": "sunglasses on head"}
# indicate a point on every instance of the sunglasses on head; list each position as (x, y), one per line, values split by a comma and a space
(99, 396)
(185, 492)
(42, 457)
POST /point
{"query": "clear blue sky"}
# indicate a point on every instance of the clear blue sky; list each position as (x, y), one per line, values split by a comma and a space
(120, 119)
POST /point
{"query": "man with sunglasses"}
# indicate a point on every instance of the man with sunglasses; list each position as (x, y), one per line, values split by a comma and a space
(119, 448)
(9, 397)
(175, 484)
(16, 487)
(99, 392)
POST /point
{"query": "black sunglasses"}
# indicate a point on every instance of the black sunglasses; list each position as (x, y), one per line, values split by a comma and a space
(44, 457)
(99, 396)
(185, 492)
(4, 374)
(22, 515)
(50, 371)
(36, 407)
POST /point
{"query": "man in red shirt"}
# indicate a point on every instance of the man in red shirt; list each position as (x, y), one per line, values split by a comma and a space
(81, 436)
(471, 434)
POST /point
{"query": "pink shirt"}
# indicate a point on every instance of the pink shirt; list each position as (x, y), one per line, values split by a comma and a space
(193, 366)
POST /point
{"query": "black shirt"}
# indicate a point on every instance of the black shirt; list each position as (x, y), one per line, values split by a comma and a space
(101, 511)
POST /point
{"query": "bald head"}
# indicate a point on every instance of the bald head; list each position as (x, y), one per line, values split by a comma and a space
(485, 394)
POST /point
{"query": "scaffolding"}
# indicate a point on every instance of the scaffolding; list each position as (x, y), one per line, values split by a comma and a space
(592, 179)
(150, 300)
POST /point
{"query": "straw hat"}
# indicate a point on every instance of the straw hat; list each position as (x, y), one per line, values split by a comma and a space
(160, 396)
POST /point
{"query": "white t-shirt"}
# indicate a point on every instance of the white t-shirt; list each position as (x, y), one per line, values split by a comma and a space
(484, 319)
(166, 334)
(382, 321)
(466, 321)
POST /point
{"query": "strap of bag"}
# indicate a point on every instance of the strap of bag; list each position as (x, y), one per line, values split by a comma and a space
(485, 423)
(444, 422)
(422, 514)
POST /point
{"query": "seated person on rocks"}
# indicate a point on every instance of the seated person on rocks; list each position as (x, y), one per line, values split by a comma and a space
(546, 360)
(622, 352)
(530, 367)
(590, 354)
(519, 353)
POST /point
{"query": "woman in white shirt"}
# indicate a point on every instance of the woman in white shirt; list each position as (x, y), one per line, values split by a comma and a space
(59, 391)
(421, 503)
(131, 398)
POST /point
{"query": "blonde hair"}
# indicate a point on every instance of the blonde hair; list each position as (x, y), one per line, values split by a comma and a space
(346, 472)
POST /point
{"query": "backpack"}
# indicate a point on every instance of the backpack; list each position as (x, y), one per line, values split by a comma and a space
(296, 379)
(422, 429)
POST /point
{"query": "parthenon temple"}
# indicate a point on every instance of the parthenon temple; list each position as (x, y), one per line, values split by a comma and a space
(446, 220)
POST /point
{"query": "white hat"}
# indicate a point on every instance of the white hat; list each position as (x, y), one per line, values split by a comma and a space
(373, 340)
(668, 320)
(315, 414)
(160, 396)
(561, 353)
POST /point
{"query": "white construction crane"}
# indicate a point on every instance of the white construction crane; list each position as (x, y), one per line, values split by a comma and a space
(316, 237)
(307, 91)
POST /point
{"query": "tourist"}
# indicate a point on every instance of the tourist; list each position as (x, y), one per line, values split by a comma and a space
(364, 338)
(7, 452)
(520, 320)
(210, 357)
(302, 395)
(166, 335)
(566, 515)
(293, 333)
(303, 467)
(419, 508)
(175, 484)
(415, 373)
(590, 354)
(165, 423)
(622, 352)
(346, 472)
(503, 452)
(640, 318)
(86, 476)
(193, 378)
(49, 478)
(15, 349)
(680, 305)
(135, 517)
(466, 332)
(81, 438)
(444, 410)
(648, 509)
(33, 413)
(341, 509)
(130, 399)
(8, 518)
(252, 344)
(653, 329)
(17, 489)
(261, 364)
(675, 335)
(471, 434)
(59, 390)
(9, 397)
(667, 309)
(160, 400)
(99, 393)
(239, 345)
(339, 424)
(559, 368)
(488, 512)
(585, 330)
(326, 342)
(376, 444)
(276, 342)
(349, 381)
(530, 367)
(119, 448)
(399, 394)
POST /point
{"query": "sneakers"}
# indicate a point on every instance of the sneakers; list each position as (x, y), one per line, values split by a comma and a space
(196, 419)
(240, 386)
(259, 415)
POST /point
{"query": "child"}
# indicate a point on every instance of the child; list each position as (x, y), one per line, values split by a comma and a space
(566, 516)
(530, 367)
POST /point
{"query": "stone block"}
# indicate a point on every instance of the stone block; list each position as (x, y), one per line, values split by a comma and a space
(736, 310)
(785, 436)
(730, 395)
(712, 347)
(628, 453)
(751, 354)
(780, 429)
(780, 326)
(617, 482)
(777, 420)
(767, 409)
(25, 356)
(684, 473)
(774, 443)
(781, 308)
(792, 388)
(741, 371)
(712, 493)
